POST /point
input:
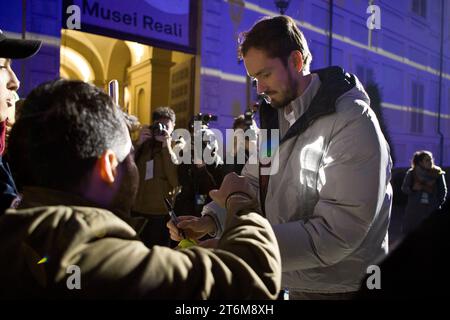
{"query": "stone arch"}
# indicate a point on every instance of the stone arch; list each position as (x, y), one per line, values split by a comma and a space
(118, 63)
(87, 49)
(143, 111)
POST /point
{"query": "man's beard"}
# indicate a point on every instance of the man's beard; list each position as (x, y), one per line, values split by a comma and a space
(287, 96)
(128, 185)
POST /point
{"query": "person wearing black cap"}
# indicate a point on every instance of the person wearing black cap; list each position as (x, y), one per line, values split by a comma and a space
(9, 84)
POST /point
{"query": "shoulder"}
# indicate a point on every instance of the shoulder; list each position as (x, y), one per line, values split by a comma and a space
(438, 170)
(72, 221)
(351, 106)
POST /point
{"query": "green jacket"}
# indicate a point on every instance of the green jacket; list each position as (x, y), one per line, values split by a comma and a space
(113, 264)
(154, 186)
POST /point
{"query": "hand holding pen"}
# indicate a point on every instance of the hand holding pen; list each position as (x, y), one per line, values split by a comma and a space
(185, 241)
(173, 216)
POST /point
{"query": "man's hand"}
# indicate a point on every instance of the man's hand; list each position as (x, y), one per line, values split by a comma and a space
(232, 183)
(144, 135)
(194, 227)
(165, 138)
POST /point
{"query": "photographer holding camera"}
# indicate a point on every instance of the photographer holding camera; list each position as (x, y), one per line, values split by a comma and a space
(197, 179)
(244, 141)
(157, 176)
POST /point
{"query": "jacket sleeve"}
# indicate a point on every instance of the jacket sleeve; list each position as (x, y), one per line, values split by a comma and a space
(407, 182)
(246, 265)
(170, 169)
(353, 186)
(8, 192)
(251, 171)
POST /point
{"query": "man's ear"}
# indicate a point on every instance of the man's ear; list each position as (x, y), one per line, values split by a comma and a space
(296, 58)
(107, 166)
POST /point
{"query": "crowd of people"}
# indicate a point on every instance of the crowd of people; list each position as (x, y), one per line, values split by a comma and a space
(77, 190)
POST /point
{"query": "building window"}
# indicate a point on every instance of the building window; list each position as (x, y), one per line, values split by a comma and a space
(419, 7)
(417, 104)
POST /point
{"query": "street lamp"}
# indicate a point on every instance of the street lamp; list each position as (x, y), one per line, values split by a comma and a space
(282, 5)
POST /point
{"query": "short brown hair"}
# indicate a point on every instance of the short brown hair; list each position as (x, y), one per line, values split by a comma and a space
(164, 112)
(278, 37)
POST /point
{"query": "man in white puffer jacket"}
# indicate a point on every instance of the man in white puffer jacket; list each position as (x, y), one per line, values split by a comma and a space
(328, 195)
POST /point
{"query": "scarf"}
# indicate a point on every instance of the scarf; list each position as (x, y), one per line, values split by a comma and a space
(427, 178)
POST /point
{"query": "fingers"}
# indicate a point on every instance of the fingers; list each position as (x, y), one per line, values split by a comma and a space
(174, 231)
(214, 195)
(185, 223)
(175, 235)
(231, 183)
(166, 133)
(145, 131)
(190, 223)
(144, 135)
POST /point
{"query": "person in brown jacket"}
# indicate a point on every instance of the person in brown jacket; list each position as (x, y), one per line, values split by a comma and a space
(73, 160)
(157, 176)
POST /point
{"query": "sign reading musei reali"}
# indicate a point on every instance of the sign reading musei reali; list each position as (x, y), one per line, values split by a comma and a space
(165, 20)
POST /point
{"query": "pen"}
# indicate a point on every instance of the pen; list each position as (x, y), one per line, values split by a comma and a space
(173, 216)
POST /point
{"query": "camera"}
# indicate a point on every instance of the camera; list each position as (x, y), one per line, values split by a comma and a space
(248, 118)
(204, 118)
(202, 132)
(158, 129)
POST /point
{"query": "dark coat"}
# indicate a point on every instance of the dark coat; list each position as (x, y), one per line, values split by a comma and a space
(416, 210)
(71, 231)
(195, 186)
(8, 190)
(416, 268)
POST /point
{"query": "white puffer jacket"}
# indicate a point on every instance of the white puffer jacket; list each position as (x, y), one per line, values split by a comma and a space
(329, 197)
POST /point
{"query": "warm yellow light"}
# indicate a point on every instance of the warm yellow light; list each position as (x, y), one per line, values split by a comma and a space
(126, 97)
(137, 51)
(77, 63)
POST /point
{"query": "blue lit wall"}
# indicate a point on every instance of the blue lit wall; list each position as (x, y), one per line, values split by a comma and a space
(42, 20)
(404, 54)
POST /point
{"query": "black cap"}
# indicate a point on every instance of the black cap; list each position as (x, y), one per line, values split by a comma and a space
(17, 48)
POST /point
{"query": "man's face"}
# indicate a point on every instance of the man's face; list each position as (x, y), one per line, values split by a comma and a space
(274, 79)
(8, 85)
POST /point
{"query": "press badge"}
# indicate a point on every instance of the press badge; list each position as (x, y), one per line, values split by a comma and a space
(149, 170)
(200, 199)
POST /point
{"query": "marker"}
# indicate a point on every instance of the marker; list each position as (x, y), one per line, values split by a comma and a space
(43, 260)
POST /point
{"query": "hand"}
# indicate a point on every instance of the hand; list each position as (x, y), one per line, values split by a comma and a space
(194, 227)
(231, 183)
(165, 138)
(144, 135)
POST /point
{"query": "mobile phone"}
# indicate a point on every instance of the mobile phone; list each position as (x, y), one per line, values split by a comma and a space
(113, 91)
